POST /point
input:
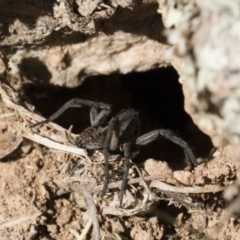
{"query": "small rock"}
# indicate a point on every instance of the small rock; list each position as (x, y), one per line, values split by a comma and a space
(184, 177)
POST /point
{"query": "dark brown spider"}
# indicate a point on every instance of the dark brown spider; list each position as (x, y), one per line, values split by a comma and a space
(121, 132)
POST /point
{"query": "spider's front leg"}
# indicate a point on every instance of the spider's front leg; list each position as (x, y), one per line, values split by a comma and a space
(95, 117)
(127, 153)
(111, 139)
(168, 134)
(126, 149)
(98, 117)
(119, 132)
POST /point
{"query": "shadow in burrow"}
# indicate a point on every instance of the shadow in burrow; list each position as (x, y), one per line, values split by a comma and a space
(156, 94)
(34, 70)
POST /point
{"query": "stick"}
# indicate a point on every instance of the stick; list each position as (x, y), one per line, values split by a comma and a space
(164, 186)
(18, 221)
(55, 145)
(196, 189)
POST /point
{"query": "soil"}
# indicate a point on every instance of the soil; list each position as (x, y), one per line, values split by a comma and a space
(41, 197)
(48, 194)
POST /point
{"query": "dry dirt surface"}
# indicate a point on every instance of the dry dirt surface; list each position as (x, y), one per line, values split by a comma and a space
(50, 188)
(48, 194)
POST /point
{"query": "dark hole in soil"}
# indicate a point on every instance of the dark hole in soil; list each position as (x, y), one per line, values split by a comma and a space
(156, 94)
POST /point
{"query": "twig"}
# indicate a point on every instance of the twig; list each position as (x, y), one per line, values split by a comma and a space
(56, 138)
(92, 209)
(141, 209)
(55, 145)
(144, 183)
(74, 232)
(20, 220)
(196, 189)
(85, 230)
(7, 115)
(11, 148)
(131, 181)
(164, 186)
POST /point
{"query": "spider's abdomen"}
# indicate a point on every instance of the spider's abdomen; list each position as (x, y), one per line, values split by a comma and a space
(92, 137)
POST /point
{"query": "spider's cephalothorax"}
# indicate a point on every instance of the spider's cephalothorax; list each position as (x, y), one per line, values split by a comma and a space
(121, 132)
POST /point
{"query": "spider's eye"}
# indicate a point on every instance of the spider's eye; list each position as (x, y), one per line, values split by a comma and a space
(134, 115)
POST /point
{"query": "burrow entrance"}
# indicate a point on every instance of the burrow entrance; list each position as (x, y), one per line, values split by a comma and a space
(156, 94)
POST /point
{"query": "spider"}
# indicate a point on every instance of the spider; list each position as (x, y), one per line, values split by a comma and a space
(121, 132)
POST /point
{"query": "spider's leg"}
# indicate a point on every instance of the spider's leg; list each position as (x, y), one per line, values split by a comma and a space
(106, 147)
(106, 172)
(127, 153)
(117, 126)
(75, 102)
(96, 117)
(168, 134)
(93, 115)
